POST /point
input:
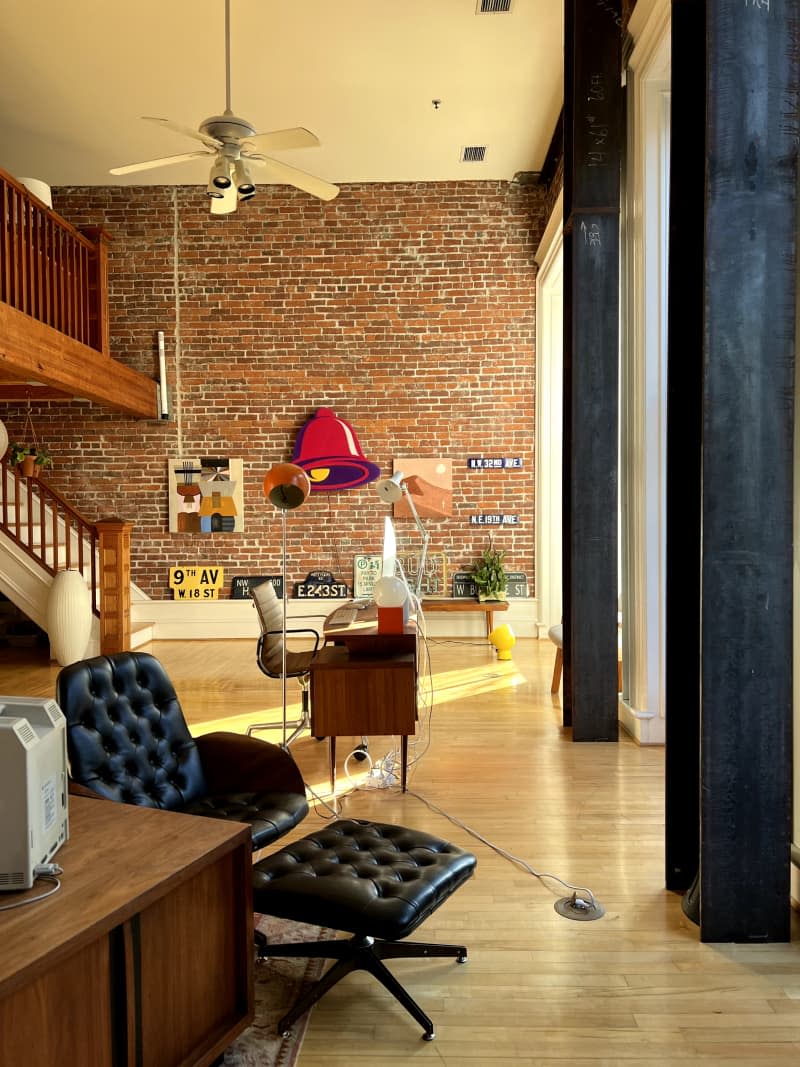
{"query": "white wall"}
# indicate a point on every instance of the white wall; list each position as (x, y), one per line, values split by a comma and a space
(643, 377)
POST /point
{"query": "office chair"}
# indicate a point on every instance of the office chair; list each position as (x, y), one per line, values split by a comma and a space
(128, 741)
(271, 655)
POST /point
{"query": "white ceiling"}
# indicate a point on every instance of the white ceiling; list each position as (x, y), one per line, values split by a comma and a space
(76, 75)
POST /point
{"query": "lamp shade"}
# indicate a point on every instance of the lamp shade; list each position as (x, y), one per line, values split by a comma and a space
(503, 639)
(328, 448)
(286, 486)
(390, 490)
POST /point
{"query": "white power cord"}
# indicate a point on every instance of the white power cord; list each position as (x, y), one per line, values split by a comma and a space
(47, 872)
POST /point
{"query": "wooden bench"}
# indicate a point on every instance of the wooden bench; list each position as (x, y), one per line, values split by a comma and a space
(456, 603)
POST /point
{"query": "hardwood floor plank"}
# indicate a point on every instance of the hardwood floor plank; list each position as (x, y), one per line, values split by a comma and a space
(633, 988)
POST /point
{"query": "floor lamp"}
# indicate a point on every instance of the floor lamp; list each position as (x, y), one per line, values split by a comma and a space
(286, 486)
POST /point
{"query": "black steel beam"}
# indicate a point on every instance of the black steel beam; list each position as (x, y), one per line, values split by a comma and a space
(748, 389)
(593, 143)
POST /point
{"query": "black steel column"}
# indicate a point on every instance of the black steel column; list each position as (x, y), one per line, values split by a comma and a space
(746, 560)
(593, 137)
(684, 440)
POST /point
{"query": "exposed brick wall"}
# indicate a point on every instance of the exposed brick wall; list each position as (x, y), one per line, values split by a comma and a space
(408, 309)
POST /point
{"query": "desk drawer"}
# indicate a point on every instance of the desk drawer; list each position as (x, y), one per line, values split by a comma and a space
(363, 696)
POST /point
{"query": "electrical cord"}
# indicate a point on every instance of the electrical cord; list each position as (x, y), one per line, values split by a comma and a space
(47, 873)
(541, 875)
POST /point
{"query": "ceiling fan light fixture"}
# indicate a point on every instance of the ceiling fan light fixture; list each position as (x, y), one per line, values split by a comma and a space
(245, 186)
(220, 177)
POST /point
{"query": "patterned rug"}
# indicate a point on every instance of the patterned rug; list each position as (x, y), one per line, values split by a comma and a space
(278, 984)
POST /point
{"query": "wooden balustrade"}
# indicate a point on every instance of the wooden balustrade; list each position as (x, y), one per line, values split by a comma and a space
(50, 270)
(44, 526)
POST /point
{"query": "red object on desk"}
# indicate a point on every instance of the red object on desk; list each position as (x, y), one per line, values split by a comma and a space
(392, 620)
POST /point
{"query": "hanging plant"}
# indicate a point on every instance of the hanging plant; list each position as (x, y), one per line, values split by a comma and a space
(30, 458)
(489, 575)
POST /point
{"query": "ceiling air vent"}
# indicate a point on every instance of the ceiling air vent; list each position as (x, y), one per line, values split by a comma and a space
(475, 153)
(492, 7)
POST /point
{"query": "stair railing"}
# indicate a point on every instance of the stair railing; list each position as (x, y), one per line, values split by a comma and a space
(41, 523)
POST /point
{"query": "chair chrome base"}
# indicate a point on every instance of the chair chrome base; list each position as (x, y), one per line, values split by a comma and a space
(297, 726)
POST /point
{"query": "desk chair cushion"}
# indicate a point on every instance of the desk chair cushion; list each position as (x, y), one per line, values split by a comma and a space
(128, 741)
(370, 879)
(270, 644)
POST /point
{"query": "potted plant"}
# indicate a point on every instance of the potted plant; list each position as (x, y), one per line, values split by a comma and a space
(489, 575)
(31, 459)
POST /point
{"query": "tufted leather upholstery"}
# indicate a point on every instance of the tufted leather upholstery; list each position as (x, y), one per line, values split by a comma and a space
(364, 877)
(128, 741)
(376, 881)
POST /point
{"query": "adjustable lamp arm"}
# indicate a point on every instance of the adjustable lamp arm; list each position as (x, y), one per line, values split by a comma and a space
(425, 539)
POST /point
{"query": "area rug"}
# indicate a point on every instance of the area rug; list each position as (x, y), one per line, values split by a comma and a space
(278, 983)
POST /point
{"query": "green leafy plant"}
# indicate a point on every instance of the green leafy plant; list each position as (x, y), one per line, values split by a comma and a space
(489, 574)
(41, 455)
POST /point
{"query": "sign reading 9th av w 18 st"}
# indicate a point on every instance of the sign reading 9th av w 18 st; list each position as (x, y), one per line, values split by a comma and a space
(196, 582)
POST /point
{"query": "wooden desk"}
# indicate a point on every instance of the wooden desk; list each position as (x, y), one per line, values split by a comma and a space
(455, 603)
(366, 683)
(144, 956)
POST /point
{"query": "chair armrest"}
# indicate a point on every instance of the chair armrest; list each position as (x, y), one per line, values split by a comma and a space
(293, 633)
(234, 763)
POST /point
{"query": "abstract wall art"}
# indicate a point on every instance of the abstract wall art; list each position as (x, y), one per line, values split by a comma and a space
(205, 495)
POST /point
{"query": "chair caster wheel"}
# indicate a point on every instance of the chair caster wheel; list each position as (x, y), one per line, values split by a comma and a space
(318, 738)
(461, 959)
(286, 1033)
(429, 1036)
(360, 752)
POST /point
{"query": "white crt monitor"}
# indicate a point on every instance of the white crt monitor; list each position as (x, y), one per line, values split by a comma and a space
(33, 787)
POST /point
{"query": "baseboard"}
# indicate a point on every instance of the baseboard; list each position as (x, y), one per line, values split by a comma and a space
(175, 620)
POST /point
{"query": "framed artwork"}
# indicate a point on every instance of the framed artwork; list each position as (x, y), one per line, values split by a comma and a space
(205, 495)
(430, 482)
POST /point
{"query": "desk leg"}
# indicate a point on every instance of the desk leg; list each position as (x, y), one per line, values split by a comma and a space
(489, 622)
(403, 762)
(332, 761)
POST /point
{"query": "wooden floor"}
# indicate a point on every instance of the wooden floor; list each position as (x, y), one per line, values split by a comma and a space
(635, 987)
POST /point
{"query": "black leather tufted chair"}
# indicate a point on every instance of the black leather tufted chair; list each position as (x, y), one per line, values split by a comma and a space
(376, 881)
(128, 741)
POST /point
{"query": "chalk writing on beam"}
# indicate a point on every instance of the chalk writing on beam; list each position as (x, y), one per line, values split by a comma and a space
(591, 235)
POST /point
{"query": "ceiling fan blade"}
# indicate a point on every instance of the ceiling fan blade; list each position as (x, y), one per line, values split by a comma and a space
(282, 173)
(150, 164)
(296, 137)
(187, 131)
(225, 204)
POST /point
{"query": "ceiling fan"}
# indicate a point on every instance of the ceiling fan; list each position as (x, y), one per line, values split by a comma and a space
(232, 141)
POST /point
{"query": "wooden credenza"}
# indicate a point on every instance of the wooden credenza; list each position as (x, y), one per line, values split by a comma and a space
(143, 958)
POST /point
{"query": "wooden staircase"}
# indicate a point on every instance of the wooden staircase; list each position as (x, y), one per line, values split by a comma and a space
(40, 534)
